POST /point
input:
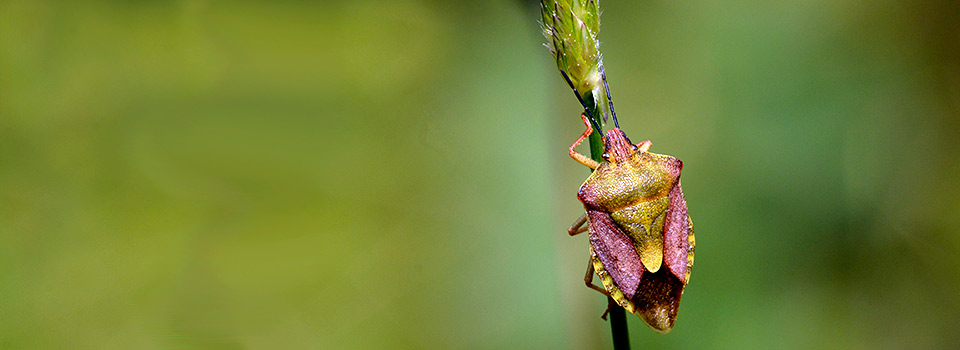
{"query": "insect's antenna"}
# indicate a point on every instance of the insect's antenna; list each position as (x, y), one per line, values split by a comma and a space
(606, 87)
(593, 121)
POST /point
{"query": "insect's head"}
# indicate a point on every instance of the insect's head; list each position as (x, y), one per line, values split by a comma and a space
(617, 147)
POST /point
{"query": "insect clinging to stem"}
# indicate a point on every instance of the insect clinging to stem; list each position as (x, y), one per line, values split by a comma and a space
(641, 236)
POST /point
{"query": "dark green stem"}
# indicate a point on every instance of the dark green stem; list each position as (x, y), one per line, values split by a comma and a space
(618, 326)
(618, 316)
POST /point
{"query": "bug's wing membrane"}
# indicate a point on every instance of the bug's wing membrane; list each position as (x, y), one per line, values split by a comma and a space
(658, 299)
(616, 251)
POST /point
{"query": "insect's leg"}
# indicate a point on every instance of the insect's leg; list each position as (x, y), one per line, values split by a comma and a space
(607, 311)
(588, 279)
(579, 226)
(644, 146)
(590, 163)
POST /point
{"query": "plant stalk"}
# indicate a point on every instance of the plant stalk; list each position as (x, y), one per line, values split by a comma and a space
(617, 315)
(571, 28)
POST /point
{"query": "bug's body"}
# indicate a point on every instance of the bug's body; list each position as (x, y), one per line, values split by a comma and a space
(641, 237)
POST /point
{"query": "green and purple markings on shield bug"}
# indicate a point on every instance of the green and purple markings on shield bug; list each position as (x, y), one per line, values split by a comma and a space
(641, 238)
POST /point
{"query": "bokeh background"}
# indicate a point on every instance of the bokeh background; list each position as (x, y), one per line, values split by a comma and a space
(393, 174)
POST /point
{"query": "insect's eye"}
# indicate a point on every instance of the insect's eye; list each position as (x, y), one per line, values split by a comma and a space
(605, 155)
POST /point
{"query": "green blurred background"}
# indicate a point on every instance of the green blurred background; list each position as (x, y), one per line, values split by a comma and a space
(393, 174)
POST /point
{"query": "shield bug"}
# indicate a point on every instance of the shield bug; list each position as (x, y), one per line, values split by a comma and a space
(641, 237)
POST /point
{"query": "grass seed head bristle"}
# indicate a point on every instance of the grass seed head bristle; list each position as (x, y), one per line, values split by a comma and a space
(571, 28)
